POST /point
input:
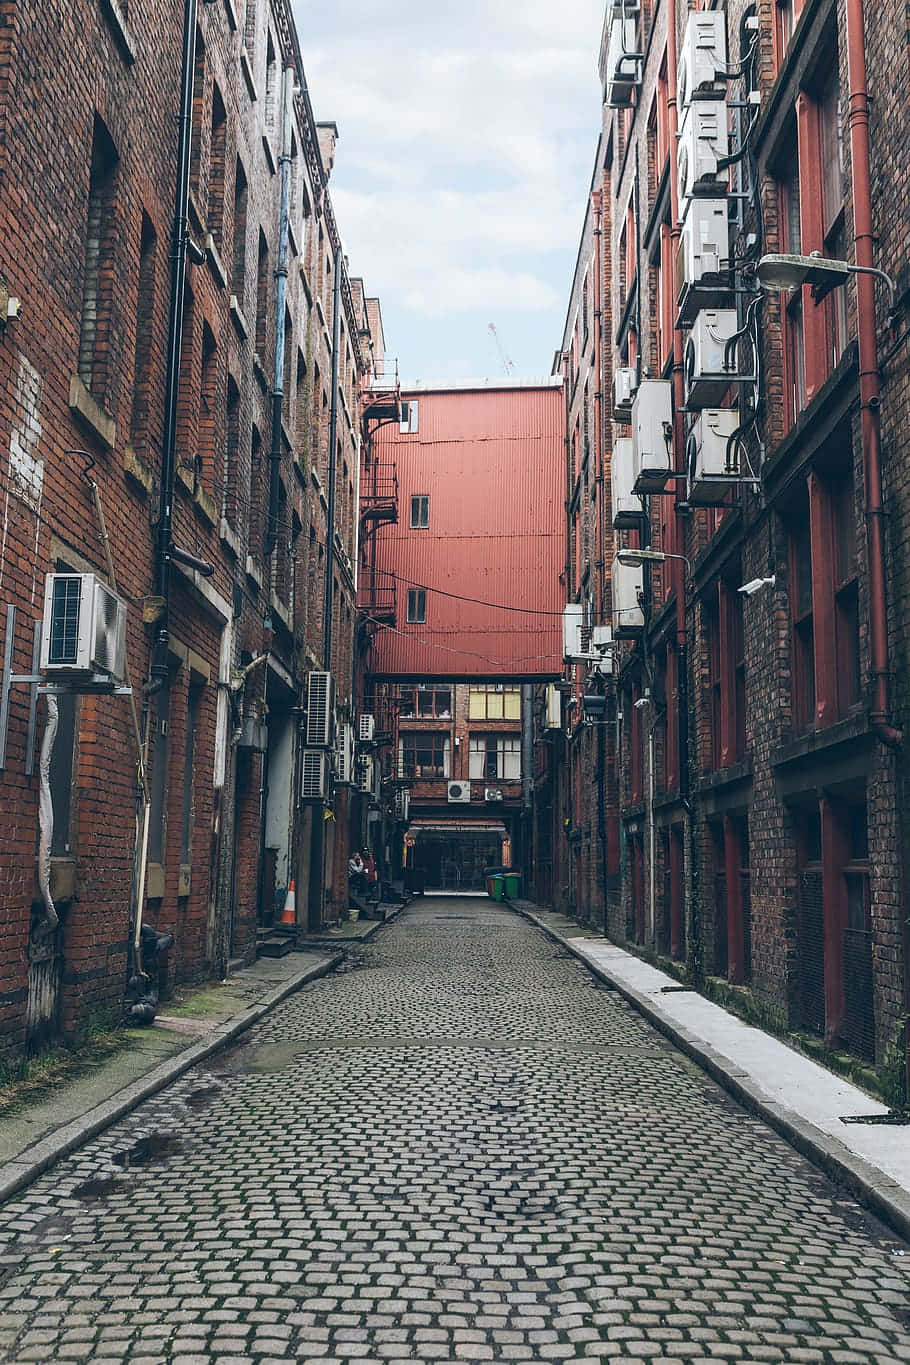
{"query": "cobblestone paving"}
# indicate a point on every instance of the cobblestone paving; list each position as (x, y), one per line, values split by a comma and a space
(460, 1149)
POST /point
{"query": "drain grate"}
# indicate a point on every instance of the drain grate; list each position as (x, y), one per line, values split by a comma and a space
(895, 1118)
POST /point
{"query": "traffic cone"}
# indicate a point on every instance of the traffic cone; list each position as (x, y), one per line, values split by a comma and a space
(289, 913)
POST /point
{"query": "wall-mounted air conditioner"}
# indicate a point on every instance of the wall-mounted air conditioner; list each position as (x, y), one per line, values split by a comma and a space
(624, 384)
(712, 460)
(553, 712)
(628, 589)
(572, 617)
(703, 259)
(366, 773)
(627, 508)
(704, 140)
(402, 804)
(652, 435)
(459, 792)
(702, 66)
(84, 628)
(602, 649)
(344, 750)
(492, 794)
(320, 710)
(367, 729)
(707, 375)
(315, 775)
(621, 68)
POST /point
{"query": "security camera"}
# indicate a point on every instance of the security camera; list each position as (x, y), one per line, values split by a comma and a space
(756, 584)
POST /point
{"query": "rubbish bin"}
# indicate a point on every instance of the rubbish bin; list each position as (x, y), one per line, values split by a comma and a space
(499, 883)
(512, 886)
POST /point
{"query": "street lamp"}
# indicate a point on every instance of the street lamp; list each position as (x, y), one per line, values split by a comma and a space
(633, 559)
(822, 273)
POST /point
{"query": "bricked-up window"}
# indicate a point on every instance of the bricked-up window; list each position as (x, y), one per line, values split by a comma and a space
(187, 411)
(635, 751)
(231, 478)
(301, 407)
(496, 701)
(250, 25)
(712, 643)
(803, 632)
(846, 594)
(420, 511)
(262, 298)
(208, 398)
(286, 363)
(494, 758)
(417, 606)
(256, 502)
(425, 702)
(281, 562)
(271, 86)
(238, 258)
(738, 671)
(143, 336)
(95, 328)
(158, 781)
(188, 803)
(792, 304)
(831, 150)
(424, 755)
(217, 156)
(199, 97)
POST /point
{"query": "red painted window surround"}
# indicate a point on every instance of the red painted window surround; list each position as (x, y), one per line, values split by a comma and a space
(726, 678)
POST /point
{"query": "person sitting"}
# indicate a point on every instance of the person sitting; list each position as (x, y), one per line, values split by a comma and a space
(356, 873)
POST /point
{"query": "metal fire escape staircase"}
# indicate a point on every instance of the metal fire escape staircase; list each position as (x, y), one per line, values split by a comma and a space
(380, 405)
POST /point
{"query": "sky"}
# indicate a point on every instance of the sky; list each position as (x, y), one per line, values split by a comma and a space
(467, 135)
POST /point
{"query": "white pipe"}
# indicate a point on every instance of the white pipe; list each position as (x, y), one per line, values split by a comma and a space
(46, 812)
(651, 888)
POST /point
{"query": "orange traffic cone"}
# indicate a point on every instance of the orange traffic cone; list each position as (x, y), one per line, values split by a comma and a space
(289, 913)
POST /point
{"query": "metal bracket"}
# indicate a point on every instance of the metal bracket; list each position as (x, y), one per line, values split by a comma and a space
(9, 679)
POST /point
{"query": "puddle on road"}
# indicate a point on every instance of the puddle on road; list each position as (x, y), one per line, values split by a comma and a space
(203, 1097)
(98, 1187)
(149, 1151)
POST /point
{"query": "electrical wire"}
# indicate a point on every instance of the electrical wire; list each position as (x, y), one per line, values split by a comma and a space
(459, 597)
(448, 649)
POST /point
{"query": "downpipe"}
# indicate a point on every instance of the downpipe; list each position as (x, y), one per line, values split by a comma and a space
(281, 289)
(46, 813)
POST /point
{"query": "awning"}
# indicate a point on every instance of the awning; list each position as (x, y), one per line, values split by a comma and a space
(493, 827)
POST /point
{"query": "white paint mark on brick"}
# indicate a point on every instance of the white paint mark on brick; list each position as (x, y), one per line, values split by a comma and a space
(26, 465)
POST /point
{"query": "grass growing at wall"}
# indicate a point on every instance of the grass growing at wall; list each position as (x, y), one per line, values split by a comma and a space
(30, 1078)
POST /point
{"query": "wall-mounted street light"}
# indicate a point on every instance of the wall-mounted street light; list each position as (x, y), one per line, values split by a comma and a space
(822, 273)
(632, 559)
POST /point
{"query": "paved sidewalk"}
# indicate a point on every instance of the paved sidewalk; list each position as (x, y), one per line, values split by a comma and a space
(803, 1101)
(38, 1135)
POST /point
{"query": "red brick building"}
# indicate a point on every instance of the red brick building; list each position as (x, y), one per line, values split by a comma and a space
(222, 631)
(755, 439)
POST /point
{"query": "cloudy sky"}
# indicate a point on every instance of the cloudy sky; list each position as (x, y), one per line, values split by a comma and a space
(467, 140)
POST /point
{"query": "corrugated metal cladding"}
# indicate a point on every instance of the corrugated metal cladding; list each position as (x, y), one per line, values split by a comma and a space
(493, 466)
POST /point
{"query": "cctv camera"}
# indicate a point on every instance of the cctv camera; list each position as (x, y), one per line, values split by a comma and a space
(755, 584)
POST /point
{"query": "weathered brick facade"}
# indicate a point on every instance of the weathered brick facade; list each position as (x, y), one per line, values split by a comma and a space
(767, 848)
(87, 202)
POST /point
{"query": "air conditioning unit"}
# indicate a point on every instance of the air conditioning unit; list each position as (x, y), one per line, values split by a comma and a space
(702, 66)
(315, 775)
(652, 435)
(367, 729)
(366, 773)
(704, 141)
(459, 792)
(628, 589)
(320, 710)
(572, 618)
(492, 794)
(602, 646)
(624, 385)
(553, 712)
(627, 508)
(402, 804)
(707, 375)
(344, 766)
(703, 259)
(84, 629)
(711, 460)
(620, 68)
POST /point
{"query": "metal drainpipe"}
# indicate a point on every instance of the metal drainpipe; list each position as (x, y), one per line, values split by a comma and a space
(179, 241)
(281, 291)
(527, 778)
(333, 440)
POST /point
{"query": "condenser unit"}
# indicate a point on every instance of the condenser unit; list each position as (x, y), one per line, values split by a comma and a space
(320, 710)
(553, 713)
(628, 589)
(602, 648)
(652, 435)
(621, 65)
(84, 629)
(367, 729)
(492, 794)
(712, 460)
(704, 142)
(702, 66)
(624, 384)
(572, 618)
(366, 773)
(627, 508)
(344, 764)
(707, 374)
(703, 259)
(315, 775)
(459, 792)
(402, 804)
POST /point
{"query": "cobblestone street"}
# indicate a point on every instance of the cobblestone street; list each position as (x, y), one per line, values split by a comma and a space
(461, 1147)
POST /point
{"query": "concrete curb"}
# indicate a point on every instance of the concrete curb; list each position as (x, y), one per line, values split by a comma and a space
(42, 1155)
(883, 1196)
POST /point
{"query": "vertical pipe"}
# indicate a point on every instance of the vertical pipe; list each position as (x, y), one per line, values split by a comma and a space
(333, 440)
(281, 290)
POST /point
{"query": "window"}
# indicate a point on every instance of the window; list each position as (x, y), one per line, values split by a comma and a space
(425, 702)
(495, 758)
(712, 640)
(262, 297)
(498, 701)
(157, 811)
(250, 20)
(98, 280)
(271, 86)
(831, 151)
(205, 426)
(846, 595)
(198, 114)
(238, 262)
(231, 452)
(424, 755)
(142, 345)
(803, 641)
(792, 304)
(417, 606)
(217, 154)
(420, 511)
(408, 419)
(194, 697)
(63, 765)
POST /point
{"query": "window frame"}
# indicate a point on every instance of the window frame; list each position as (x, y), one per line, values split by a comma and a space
(417, 607)
(420, 511)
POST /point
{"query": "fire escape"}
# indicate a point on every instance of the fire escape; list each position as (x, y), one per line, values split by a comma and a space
(380, 406)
